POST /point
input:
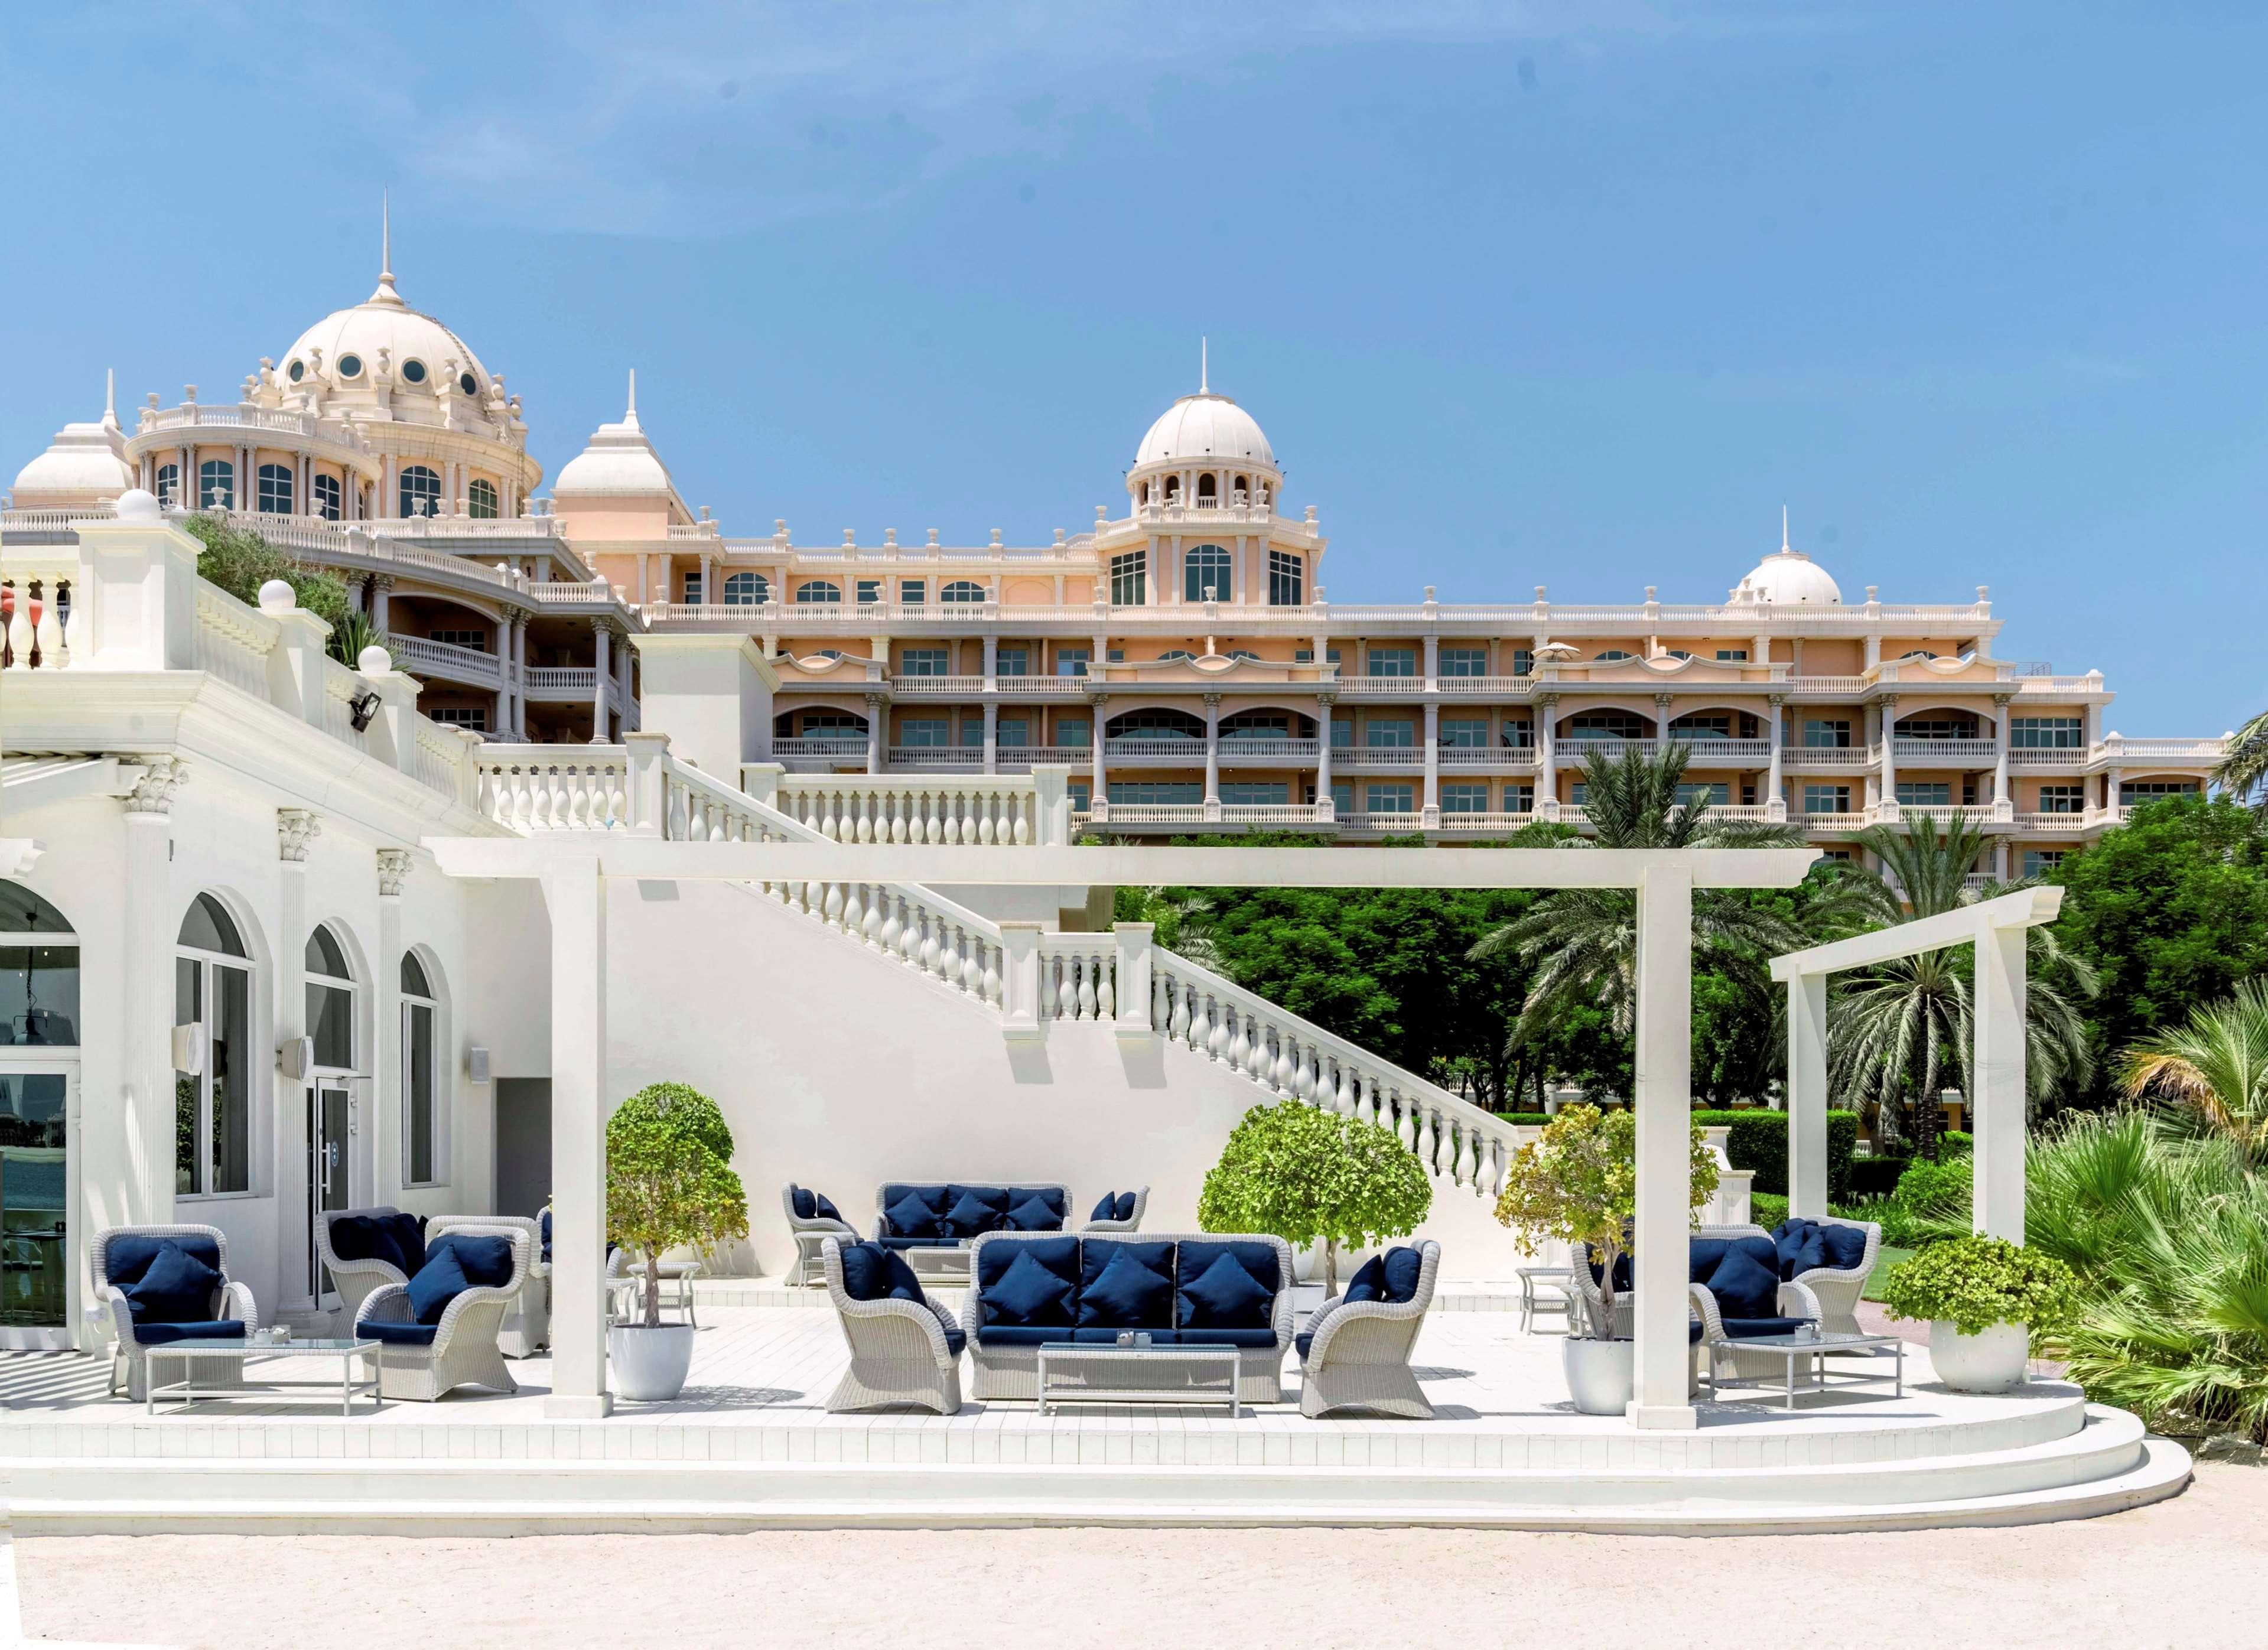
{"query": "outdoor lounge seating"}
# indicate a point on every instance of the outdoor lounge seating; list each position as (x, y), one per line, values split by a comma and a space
(1732, 1287)
(1833, 1258)
(1125, 1212)
(366, 1250)
(1354, 1354)
(811, 1218)
(527, 1326)
(439, 1330)
(167, 1283)
(905, 1349)
(1030, 1289)
(932, 1223)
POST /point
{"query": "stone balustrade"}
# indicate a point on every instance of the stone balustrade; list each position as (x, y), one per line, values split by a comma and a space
(974, 809)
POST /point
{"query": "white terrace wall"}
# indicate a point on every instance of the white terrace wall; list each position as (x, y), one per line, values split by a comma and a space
(839, 1068)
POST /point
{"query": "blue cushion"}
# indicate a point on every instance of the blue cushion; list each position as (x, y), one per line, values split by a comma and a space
(1810, 1257)
(1025, 1335)
(1034, 1213)
(127, 1256)
(870, 1271)
(1846, 1247)
(1787, 1244)
(1746, 1282)
(440, 1280)
(1749, 1329)
(973, 1211)
(1704, 1256)
(1404, 1267)
(956, 1340)
(918, 1242)
(486, 1261)
(1622, 1271)
(543, 1233)
(1368, 1282)
(1035, 1288)
(805, 1206)
(211, 1329)
(1123, 1209)
(397, 1334)
(1106, 1207)
(1301, 1342)
(823, 1207)
(912, 1217)
(1225, 1337)
(1224, 1294)
(176, 1287)
(1126, 1285)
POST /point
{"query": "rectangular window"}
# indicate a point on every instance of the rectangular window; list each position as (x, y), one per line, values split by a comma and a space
(1342, 733)
(328, 498)
(2150, 790)
(1392, 799)
(1011, 730)
(692, 590)
(1523, 662)
(1464, 798)
(1393, 661)
(330, 1019)
(1937, 727)
(212, 1111)
(1331, 656)
(418, 1088)
(1303, 655)
(1924, 794)
(472, 716)
(870, 591)
(1706, 724)
(1733, 655)
(1078, 792)
(1390, 732)
(1519, 799)
(1012, 661)
(1256, 792)
(1286, 579)
(1155, 791)
(2045, 732)
(1701, 794)
(2062, 798)
(972, 733)
(1130, 584)
(925, 733)
(275, 482)
(1076, 734)
(1827, 798)
(1465, 733)
(2039, 862)
(926, 661)
(477, 640)
(1464, 661)
(1829, 735)
(911, 592)
(1518, 736)
(1117, 655)
(1605, 725)
(1072, 661)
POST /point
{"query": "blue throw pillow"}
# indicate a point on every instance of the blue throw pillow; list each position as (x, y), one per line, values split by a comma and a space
(486, 1262)
(438, 1281)
(1035, 1214)
(872, 1272)
(1846, 1247)
(1225, 1296)
(1104, 1207)
(1126, 1294)
(176, 1287)
(969, 1215)
(1029, 1295)
(805, 1206)
(824, 1208)
(543, 1232)
(1402, 1267)
(910, 1217)
(1788, 1243)
(1368, 1282)
(406, 1235)
(1746, 1282)
(1812, 1255)
(1123, 1209)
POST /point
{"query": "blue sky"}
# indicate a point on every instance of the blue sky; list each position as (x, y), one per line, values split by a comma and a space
(1577, 295)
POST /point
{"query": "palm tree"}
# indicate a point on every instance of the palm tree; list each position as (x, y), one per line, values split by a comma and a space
(2244, 770)
(1583, 942)
(2218, 1064)
(1901, 1028)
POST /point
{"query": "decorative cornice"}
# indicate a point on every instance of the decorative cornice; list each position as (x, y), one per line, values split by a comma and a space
(394, 865)
(154, 780)
(295, 828)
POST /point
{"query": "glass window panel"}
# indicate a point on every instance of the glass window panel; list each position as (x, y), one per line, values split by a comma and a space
(1077, 734)
(1254, 793)
(1827, 798)
(24, 912)
(324, 956)
(188, 1092)
(1205, 574)
(870, 591)
(1072, 661)
(1464, 798)
(1924, 794)
(1464, 661)
(964, 592)
(1826, 736)
(420, 491)
(418, 1068)
(275, 489)
(413, 976)
(1393, 799)
(1130, 580)
(818, 591)
(1140, 792)
(481, 500)
(926, 661)
(2045, 732)
(1013, 731)
(1390, 732)
(330, 1021)
(1465, 733)
(35, 1283)
(1286, 579)
(1012, 661)
(924, 731)
(208, 927)
(39, 996)
(746, 590)
(231, 1063)
(1393, 661)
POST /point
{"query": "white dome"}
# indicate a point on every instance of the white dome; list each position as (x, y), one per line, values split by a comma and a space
(1205, 426)
(1791, 579)
(418, 349)
(618, 460)
(86, 464)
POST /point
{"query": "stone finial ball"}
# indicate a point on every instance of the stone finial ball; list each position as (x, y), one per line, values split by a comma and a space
(375, 660)
(135, 505)
(277, 596)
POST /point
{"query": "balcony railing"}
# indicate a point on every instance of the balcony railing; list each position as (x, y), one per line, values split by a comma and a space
(421, 655)
(830, 748)
(1948, 753)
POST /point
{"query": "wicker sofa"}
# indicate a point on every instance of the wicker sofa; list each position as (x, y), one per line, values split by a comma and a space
(905, 1349)
(811, 1218)
(1126, 1208)
(122, 1259)
(1354, 1354)
(1835, 1269)
(426, 1360)
(526, 1328)
(1708, 1322)
(1007, 1323)
(932, 1223)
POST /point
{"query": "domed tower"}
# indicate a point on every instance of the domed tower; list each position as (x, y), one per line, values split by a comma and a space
(86, 465)
(1205, 453)
(1790, 579)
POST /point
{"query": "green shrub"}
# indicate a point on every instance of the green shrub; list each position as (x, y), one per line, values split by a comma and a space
(1956, 1143)
(670, 1180)
(1766, 1210)
(1977, 1282)
(1525, 1119)
(1302, 1174)
(239, 561)
(1758, 1141)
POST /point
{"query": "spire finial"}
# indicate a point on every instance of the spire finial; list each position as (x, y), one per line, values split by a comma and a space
(386, 294)
(630, 416)
(1783, 530)
(1204, 387)
(110, 395)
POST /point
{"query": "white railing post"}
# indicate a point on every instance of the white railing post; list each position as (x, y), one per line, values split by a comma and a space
(762, 781)
(138, 590)
(1136, 944)
(1051, 804)
(295, 664)
(649, 782)
(393, 731)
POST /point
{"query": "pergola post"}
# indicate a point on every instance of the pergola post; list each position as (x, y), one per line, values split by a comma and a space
(575, 893)
(1663, 1356)
(1997, 1080)
(1807, 1095)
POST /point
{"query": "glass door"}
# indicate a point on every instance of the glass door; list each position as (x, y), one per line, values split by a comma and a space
(35, 1250)
(327, 1182)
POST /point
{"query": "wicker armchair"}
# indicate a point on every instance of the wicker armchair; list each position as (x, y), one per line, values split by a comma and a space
(899, 1351)
(1133, 1223)
(464, 1347)
(354, 1279)
(1358, 1353)
(810, 1232)
(128, 1360)
(527, 1327)
(1589, 1307)
(1839, 1289)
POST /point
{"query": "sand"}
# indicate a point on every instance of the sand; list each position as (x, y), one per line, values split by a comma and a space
(2184, 1572)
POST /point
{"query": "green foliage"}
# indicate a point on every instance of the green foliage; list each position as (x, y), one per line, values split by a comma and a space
(1758, 1141)
(669, 1180)
(2172, 910)
(1579, 1184)
(2217, 1066)
(1766, 1210)
(239, 561)
(1977, 1282)
(2244, 770)
(354, 634)
(1304, 1174)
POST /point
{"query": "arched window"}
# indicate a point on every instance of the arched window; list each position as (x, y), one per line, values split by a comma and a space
(818, 590)
(39, 978)
(962, 589)
(1172, 488)
(328, 497)
(1205, 573)
(213, 1105)
(1613, 655)
(169, 484)
(481, 500)
(746, 590)
(1206, 487)
(215, 485)
(421, 491)
(421, 1011)
(331, 1001)
(275, 494)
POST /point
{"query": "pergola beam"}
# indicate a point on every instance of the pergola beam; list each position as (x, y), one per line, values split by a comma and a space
(2026, 908)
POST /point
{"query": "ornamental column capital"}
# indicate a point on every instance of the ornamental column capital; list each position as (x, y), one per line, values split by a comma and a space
(295, 828)
(394, 866)
(153, 779)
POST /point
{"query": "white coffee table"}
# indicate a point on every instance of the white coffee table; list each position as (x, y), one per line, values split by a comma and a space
(186, 1391)
(1079, 1372)
(1815, 1350)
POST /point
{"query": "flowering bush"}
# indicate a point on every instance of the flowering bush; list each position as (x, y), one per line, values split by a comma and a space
(1976, 1282)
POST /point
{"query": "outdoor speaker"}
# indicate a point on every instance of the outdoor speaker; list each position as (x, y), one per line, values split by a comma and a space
(476, 1064)
(189, 1048)
(297, 1057)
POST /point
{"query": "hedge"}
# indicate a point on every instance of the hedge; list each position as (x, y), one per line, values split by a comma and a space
(1766, 1211)
(1757, 1140)
(1523, 1119)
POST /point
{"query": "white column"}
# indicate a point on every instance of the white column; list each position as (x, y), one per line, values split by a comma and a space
(1324, 708)
(1889, 714)
(645, 574)
(1432, 817)
(2001, 797)
(877, 719)
(1775, 797)
(1807, 1095)
(602, 641)
(515, 675)
(1664, 1104)
(381, 600)
(1099, 801)
(576, 896)
(140, 1189)
(381, 1125)
(1212, 756)
(1997, 1081)
(991, 736)
(290, 1111)
(1547, 765)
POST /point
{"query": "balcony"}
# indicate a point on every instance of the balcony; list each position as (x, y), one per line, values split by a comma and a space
(1400, 757)
(1488, 758)
(447, 662)
(1802, 758)
(1947, 753)
(977, 687)
(549, 682)
(1727, 753)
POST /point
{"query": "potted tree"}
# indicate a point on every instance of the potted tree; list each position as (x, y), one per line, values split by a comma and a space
(1306, 1175)
(670, 1184)
(1579, 1184)
(1983, 1299)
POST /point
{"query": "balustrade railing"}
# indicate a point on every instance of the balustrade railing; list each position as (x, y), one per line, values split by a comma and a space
(979, 810)
(37, 600)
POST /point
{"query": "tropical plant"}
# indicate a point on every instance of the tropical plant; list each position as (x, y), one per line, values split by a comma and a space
(1976, 1282)
(353, 633)
(1304, 1174)
(1903, 1028)
(1579, 1184)
(670, 1183)
(2244, 770)
(2217, 1065)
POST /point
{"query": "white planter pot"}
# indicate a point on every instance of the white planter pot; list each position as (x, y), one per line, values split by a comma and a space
(1993, 1360)
(650, 1364)
(1600, 1375)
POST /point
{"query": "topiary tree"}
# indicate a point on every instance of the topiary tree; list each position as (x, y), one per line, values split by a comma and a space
(1579, 1184)
(670, 1180)
(1303, 1174)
